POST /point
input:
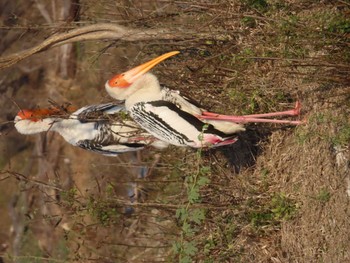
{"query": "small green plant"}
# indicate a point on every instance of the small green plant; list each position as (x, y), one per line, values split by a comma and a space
(282, 207)
(342, 136)
(260, 5)
(249, 21)
(109, 189)
(339, 25)
(209, 245)
(278, 209)
(261, 218)
(289, 25)
(69, 196)
(105, 212)
(190, 218)
(323, 196)
(265, 177)
(186, 251)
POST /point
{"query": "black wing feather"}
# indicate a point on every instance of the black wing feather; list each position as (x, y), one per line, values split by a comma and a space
(99, 148)
(100, 112)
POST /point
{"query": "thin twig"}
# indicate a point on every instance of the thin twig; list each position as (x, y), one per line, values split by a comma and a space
(133, 245)
(19, 176)
(173, 206)
(43, 12)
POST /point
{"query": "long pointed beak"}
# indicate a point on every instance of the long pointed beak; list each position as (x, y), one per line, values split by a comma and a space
(128, 77)
(131, 75)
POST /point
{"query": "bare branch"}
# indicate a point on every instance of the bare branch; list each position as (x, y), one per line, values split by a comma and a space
(20, 176)
(96, 32)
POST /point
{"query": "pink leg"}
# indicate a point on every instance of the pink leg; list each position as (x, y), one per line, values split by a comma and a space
(244, 119)
(293, 112)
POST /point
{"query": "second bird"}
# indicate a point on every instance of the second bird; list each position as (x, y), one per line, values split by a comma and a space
(102, 128)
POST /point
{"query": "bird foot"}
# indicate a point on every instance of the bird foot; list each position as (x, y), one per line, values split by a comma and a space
(297, 108)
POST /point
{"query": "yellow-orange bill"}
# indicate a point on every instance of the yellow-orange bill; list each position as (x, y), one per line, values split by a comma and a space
(132, 74)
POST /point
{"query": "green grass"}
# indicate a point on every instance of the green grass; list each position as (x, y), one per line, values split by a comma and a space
(105, 212)
(191, 219)
(323, 196)
(69, 197)
(339, 24)
(259, 5)
(279, 208)
(320, 128)
(342, 136)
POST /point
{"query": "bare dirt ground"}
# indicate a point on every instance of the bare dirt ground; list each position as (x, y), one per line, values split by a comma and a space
(280, 194)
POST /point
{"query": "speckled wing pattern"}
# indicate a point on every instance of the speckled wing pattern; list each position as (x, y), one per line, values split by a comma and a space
(100, 112)
(115, 133)
(109, 149)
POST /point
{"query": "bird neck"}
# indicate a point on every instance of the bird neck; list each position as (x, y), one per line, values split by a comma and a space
(146, 88)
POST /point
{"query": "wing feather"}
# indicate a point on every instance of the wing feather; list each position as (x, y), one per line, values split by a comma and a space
(169, 123)
(109, 149)
(100, 112)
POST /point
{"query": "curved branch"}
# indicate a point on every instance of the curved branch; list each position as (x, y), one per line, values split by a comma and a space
(91, 32)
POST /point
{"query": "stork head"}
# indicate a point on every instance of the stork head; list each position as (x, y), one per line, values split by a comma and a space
(36, 120)
(121, 86)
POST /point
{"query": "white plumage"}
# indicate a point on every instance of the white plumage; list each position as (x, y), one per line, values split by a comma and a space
(100, 128)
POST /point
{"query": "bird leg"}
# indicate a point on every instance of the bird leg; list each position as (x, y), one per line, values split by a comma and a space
(292, 112)
(256, 117)
(243, 119)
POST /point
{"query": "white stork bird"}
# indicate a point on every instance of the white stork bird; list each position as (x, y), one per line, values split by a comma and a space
(174, 118)
(99, 128)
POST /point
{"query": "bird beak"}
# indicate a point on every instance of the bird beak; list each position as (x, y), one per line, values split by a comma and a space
(127, 78)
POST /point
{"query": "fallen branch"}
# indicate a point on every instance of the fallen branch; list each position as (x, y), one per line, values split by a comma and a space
(96, 32)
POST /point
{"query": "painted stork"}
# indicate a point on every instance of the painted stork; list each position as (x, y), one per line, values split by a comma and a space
(173, 118)
(100, 128)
